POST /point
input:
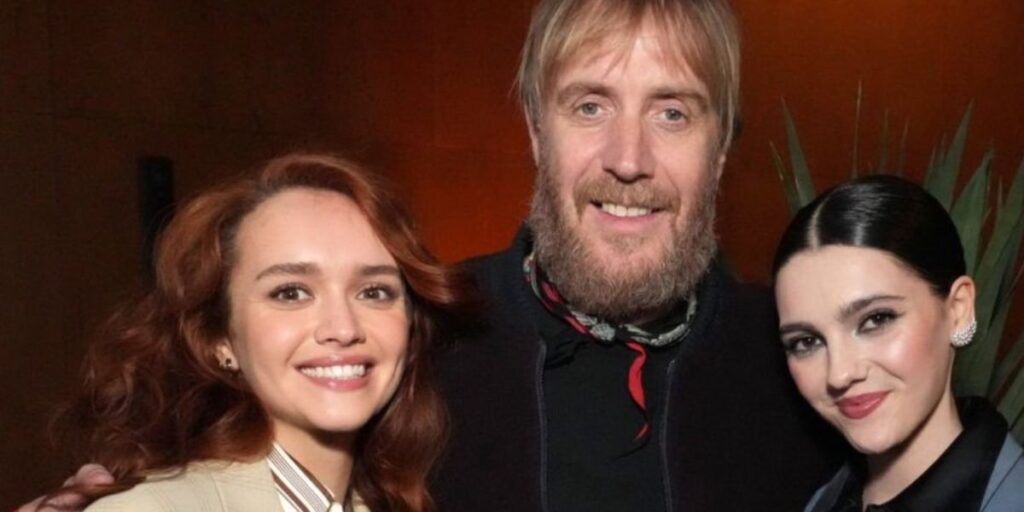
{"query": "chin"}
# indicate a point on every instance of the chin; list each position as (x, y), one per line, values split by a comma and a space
(870, 440)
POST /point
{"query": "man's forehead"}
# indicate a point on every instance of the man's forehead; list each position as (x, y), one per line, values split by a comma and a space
(604, 54)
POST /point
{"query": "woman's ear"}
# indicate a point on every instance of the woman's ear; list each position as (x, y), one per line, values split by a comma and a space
(960, 307)
(226, 357)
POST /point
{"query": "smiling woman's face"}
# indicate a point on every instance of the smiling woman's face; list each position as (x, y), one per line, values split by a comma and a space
(318, 320)
(867, 342)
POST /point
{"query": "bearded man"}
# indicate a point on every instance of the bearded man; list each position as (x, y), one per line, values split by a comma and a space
(620, 367)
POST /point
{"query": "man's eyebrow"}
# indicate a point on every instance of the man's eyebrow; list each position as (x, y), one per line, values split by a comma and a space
(293, 269)
(859, 305)
(576, 89)
(682, 94)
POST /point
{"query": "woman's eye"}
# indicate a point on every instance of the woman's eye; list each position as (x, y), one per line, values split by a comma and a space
(802, 346)
(290, 293)
(877, 320)
(378, 293)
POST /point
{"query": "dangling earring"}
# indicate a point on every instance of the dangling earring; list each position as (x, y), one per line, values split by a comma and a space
(963, 337)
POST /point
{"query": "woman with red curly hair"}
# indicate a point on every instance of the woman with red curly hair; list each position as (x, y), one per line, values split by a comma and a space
(281, 361)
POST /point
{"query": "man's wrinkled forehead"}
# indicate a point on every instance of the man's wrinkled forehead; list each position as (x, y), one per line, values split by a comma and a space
(620, 45)
(595, 41)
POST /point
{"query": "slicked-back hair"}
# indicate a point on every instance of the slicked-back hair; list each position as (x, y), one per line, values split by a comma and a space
(701, 33)
(881, 212)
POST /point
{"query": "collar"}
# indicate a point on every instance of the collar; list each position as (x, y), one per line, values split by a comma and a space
(664, 331)
(954, 482)
(297, 489)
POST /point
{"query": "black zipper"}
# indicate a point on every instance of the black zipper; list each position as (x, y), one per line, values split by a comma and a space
(542, 417)
(663, 437)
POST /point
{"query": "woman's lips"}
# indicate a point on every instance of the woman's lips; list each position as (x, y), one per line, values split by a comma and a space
(860, 406)
(339, 374)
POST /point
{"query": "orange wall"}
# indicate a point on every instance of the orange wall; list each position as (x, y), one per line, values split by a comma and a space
(420, 89)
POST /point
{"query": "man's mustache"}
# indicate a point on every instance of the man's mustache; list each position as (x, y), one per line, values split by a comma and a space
(638, 194)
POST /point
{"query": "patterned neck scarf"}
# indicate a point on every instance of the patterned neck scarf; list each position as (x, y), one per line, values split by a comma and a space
(631, 336)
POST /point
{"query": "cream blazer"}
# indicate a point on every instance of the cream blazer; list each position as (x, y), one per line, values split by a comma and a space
(203, 487)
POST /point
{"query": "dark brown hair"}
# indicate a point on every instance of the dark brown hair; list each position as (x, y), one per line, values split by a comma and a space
(154, 398)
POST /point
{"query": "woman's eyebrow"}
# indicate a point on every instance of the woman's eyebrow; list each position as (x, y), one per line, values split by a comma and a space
(796, 327)
(292, 269)
(379, 270)
(854, 307)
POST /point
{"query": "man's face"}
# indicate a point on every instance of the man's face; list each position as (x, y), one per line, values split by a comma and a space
(628, 166)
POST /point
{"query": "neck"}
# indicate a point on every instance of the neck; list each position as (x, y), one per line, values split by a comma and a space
(327, 457)
(891, 472)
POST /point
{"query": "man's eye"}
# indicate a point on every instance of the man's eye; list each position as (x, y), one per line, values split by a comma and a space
(290, 293)
(802, 346)
(589, 109)
(674, 115)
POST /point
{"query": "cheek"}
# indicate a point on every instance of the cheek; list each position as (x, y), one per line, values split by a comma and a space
(391, 332)
(261, 340)
(917, 357)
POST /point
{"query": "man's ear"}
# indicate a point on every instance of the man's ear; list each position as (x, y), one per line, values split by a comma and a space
(720, 163)
(533, 127)
(960, 303)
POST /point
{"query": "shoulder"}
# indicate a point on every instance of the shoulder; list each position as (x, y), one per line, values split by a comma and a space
(827, 495)
(493, 271)
(1005, 490)
(214, 485)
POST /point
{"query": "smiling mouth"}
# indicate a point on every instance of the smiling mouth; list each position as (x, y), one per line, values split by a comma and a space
(860, 406)
(335, 372)
(624, 211)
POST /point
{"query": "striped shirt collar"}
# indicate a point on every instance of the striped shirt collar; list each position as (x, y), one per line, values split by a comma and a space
(297, 489)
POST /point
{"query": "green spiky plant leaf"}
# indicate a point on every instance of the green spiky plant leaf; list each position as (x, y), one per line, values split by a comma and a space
(992, 262)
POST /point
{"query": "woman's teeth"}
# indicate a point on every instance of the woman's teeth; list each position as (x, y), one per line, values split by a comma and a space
(342, 372)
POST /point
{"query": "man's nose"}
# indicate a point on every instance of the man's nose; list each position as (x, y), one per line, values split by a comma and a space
(627, 152)
(338, 323)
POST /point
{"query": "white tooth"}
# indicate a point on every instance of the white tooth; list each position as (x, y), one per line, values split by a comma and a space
(342, 372)
(623, 211)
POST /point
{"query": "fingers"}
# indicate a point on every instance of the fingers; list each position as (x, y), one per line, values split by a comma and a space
(93, 474)
(89, 474)
(30, 506)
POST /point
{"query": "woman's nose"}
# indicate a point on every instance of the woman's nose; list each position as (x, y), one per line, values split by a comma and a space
(845, 367)
(338, 323)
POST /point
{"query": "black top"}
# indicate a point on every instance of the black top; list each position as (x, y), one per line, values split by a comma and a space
(955, 482)
(594, 460)
(733, 434)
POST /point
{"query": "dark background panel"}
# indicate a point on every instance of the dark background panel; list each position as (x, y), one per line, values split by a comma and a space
(421, 91)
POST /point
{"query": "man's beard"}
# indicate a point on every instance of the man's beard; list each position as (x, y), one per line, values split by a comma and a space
(639, 289)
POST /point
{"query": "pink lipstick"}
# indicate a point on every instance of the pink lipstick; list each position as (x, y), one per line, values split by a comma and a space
(860, 406)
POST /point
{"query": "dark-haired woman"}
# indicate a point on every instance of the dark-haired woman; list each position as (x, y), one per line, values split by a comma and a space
(873, 298)
(281, 361)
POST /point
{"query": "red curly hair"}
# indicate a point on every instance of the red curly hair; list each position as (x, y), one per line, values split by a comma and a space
(154, 399)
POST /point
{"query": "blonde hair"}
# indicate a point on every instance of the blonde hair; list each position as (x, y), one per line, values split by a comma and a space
(703, 33)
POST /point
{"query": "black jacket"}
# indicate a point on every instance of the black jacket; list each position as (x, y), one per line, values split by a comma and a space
(736, 436)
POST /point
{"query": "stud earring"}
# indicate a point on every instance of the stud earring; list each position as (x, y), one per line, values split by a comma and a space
(228, 364)
(963, 337)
